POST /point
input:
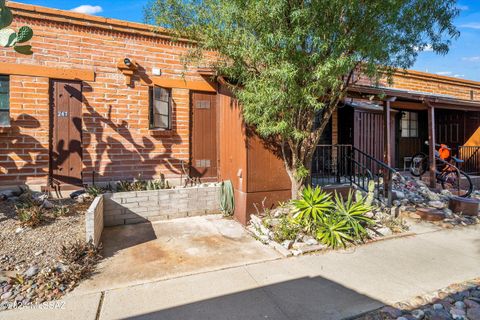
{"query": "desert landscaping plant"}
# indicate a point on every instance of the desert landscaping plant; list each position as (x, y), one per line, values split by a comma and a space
(313, 206)
(354, 213)
(290, 63)
(139, 184)
(30, 211)
(11, 38)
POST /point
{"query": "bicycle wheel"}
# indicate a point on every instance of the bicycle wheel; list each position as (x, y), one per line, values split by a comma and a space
(453, 182)
(419, 164)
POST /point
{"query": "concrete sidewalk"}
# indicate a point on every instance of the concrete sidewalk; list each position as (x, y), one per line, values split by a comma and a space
(334, 285)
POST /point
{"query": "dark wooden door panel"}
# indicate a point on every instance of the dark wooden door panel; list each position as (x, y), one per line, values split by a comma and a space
(204, 135)
(66, 132)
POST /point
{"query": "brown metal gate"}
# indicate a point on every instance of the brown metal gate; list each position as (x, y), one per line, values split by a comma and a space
(204, 136)
(66, 132)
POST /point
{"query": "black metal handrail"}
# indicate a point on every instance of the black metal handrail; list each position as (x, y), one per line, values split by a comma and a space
(345, 164)
(381, 172)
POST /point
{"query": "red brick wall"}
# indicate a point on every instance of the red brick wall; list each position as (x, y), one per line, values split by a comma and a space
(431, 83)
(117, 143)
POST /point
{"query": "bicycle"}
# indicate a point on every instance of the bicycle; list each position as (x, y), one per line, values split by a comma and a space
(447, 173)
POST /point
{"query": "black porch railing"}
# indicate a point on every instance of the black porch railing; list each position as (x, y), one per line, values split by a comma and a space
(329, 166)
(345, 164)
(471, 157)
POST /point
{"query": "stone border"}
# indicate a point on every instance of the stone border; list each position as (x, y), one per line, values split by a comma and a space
(94, 221)
(260, 232)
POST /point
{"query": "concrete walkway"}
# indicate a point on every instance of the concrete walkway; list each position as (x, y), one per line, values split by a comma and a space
(148, 252)
(334, 285)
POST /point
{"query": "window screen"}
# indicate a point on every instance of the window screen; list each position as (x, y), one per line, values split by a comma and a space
(160, 108)
(4, 101)
(409, 124)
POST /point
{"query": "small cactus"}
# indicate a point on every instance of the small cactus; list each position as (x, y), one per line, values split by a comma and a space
(371, 193)
(10, 38)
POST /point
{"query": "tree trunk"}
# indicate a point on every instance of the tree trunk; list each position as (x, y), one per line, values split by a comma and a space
(297, 186)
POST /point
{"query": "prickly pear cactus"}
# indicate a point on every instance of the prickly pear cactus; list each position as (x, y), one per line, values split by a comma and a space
(8, 36)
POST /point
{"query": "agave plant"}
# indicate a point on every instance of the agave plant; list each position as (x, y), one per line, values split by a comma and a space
(353, 213)
(334, 232)
(313, 207)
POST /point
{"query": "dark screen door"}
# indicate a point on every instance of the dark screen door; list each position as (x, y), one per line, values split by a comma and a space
(66, 132)
(204, 135)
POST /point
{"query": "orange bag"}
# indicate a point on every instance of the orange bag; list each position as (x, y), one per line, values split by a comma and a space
(443, 152)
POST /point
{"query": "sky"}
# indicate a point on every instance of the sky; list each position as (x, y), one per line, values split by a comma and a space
(462, 61)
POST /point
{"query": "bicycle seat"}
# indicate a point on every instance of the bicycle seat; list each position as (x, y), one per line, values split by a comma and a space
(458, 160)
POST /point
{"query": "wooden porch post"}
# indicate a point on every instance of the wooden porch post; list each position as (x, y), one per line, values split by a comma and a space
(431, 145)
(387, 133)
(387, 149)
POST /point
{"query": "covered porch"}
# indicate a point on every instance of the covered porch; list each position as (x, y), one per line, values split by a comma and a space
(377, 131)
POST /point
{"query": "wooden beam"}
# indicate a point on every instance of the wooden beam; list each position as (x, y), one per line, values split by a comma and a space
(431, 145)
(47, 72)
(184, 84)
(407, 105)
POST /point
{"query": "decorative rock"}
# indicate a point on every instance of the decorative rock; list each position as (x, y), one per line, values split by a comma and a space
(437, 306)
(384, 231)
(391, 312)
(467, 206)
(418, 314)
(6, 295)
(32, 271)
(18, 230)
(436, 204)
(47, 204)
(471, 304)
(460, 305)
(287, 244)
(430, 214)
(473, 313)
(458, 314)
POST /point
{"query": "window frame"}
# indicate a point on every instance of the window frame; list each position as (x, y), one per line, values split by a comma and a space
(151, 105)
(411, 131)
(6, 78)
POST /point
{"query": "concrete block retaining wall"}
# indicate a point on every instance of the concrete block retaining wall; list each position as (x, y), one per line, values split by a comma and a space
(94, 220)
(142, 206)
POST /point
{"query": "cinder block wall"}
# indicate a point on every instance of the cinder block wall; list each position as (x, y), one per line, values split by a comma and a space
(142, 206)
(94, 220)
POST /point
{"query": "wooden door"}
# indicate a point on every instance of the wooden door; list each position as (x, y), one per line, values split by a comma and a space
(204, 136)
(66, 132)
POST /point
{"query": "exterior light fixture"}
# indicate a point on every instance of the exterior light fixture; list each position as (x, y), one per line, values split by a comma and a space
(128, 68)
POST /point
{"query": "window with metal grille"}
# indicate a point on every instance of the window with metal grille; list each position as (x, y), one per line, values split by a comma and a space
(409, 124)
(4, 101)
(160, 108)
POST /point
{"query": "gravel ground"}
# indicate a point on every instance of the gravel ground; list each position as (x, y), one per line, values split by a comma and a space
(21, 247)
(456, 302)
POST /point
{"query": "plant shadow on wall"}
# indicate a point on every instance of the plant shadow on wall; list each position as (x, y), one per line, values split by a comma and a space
(128, 158)
(105, 136)
(24, 154)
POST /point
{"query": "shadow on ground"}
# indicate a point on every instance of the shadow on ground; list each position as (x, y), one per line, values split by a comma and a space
(304, 298)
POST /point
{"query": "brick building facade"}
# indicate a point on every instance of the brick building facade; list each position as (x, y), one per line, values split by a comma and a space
(116, 138)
